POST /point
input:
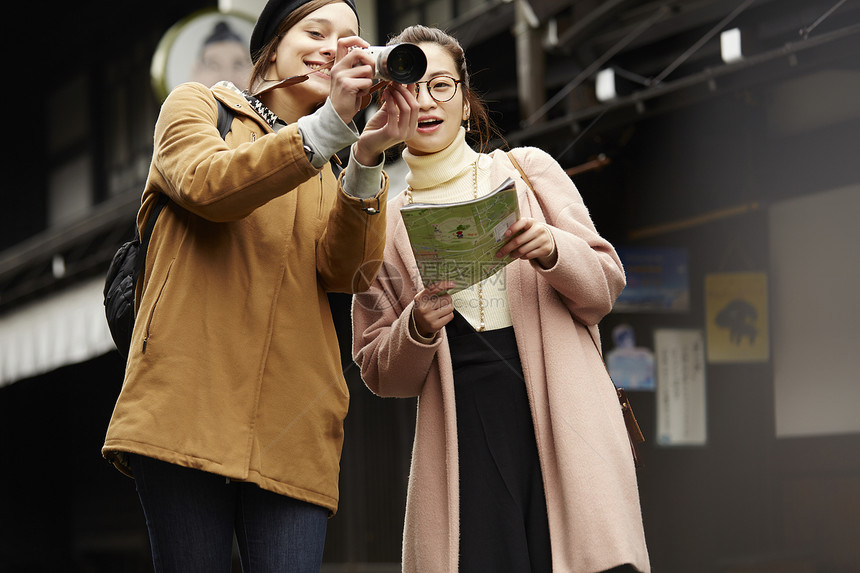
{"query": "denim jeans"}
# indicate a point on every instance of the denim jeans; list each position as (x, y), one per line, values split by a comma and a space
(192, 515)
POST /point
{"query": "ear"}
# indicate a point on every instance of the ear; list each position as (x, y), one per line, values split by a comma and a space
(466, 111)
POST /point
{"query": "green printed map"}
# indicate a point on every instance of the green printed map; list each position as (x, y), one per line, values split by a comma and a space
(458, 241)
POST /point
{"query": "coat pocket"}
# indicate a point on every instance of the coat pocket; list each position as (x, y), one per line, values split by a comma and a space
(161, 288)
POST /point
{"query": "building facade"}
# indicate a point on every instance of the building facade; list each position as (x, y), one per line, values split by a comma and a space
(714, 142)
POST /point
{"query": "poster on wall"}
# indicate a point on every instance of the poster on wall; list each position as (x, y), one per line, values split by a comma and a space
(207, 46)
(631, 367)
(657, 280)
(737, 318)
(681, 411)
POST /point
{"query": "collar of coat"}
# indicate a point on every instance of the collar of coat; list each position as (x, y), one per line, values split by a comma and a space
(258, 106)
(267, 114)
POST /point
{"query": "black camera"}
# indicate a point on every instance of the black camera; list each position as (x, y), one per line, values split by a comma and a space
(401, 63)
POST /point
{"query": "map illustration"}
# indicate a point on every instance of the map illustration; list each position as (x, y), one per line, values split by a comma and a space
(458, 241)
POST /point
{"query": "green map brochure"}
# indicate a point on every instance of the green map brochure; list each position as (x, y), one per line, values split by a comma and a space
(458, 241)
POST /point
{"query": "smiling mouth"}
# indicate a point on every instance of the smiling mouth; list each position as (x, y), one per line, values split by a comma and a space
(323, 69)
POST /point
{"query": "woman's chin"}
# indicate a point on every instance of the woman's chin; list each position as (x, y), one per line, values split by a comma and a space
(312, 89)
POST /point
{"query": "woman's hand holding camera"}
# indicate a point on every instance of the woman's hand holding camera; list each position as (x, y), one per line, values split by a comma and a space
(351, 77)
(352, 81)
(395, 121)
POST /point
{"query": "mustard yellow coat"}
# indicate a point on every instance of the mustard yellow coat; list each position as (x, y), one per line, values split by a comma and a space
(234, 365)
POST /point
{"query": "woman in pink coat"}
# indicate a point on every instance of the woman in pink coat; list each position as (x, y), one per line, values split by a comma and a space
(521, 460)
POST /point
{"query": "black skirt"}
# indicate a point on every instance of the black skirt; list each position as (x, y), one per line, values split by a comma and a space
(503, 519)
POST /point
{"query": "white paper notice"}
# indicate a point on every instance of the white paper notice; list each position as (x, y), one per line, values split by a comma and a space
(681, 418)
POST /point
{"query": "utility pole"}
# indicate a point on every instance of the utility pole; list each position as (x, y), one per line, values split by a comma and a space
(530, 60)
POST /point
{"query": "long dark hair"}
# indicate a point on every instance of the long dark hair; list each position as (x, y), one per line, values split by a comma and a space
(479, 127)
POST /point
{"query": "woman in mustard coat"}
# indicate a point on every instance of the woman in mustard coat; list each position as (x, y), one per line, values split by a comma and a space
(230, 415)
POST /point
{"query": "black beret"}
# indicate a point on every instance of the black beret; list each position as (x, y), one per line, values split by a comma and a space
(270, 18)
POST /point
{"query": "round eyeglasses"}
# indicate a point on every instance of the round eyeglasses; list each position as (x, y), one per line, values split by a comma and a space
(440, 88)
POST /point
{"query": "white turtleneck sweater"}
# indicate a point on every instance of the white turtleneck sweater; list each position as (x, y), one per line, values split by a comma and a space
(449, 176)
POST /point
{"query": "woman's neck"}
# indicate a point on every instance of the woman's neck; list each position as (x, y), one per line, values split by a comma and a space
(427, 171)
(284, 107)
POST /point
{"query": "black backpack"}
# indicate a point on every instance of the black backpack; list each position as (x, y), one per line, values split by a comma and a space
(127, 263)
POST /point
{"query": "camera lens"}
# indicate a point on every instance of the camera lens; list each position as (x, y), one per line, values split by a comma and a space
(401, 63)
(406, 63)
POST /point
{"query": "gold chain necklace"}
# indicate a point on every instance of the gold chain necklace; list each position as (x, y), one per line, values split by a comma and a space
(478, 287)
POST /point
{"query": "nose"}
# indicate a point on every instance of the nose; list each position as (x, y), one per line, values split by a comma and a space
(329, 48)
(423, 96)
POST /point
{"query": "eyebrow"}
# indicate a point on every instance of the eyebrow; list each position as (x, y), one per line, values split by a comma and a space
(327, 22)
(444, 73)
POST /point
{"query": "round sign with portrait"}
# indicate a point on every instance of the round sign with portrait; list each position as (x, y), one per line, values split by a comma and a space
(208, 46)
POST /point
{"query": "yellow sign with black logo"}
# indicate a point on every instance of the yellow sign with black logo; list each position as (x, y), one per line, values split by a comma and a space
(737, 318)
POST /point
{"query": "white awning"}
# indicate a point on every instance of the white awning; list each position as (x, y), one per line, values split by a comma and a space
(64, 328)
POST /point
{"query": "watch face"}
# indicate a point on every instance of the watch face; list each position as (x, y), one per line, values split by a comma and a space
(208, 46)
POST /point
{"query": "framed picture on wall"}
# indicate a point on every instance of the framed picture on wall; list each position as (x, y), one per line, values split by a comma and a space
(207, 46)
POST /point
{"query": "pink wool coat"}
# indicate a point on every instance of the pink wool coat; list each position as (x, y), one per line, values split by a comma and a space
(592, 497)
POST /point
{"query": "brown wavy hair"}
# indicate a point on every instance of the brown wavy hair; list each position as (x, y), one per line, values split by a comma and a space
(479, 126)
